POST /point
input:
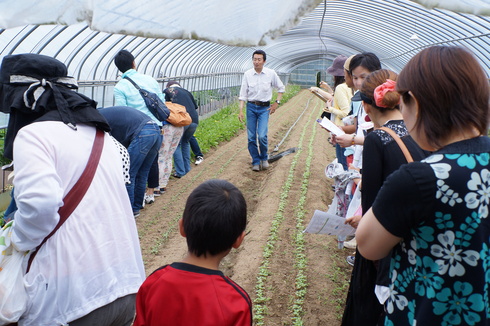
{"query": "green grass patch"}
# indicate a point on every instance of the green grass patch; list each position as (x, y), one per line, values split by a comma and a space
(219, 127)
(3, 160)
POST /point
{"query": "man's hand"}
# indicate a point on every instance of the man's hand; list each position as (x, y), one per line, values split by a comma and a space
(353, 221)
(273, 108)
(240, 116)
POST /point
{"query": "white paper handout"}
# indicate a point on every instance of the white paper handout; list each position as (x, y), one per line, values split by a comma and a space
(330, 126)
(326, 223)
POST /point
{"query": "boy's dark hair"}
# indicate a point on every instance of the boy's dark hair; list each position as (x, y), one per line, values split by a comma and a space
(124, 60)
(367, 60)
(260, 52)
(215, 215)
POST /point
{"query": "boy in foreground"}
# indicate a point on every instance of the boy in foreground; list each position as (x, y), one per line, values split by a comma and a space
(195, 291)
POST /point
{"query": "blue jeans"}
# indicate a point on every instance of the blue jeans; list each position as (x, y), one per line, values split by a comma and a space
(153, 175)
(182, 155)
(257, 128)
(142, 152)
(339, 151)
(195, 147)
(10, 211)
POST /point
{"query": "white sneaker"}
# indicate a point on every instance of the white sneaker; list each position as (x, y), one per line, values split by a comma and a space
(256, 168)
(149, 199)
(199, 160)
(265, 165)
(352, 244)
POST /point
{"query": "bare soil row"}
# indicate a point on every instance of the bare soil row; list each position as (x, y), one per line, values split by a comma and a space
(266, 198)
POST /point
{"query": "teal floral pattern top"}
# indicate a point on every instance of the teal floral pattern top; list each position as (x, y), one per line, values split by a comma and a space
(440, 271)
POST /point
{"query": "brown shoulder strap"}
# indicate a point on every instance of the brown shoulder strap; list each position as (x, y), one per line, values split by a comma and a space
(400, 143)
(75, 195)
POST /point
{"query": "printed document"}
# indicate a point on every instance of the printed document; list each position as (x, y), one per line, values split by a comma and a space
(326, 223)
(330, 126)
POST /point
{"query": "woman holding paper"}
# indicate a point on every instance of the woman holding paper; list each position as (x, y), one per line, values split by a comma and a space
(339, 106)
(381, 156)
(433, 215)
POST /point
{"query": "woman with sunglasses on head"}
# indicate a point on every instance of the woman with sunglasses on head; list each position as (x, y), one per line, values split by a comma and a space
(434, 214)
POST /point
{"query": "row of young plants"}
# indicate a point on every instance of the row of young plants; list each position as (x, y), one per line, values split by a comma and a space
(261, 297)
(340, 276)
(301, 261)
(338, 273)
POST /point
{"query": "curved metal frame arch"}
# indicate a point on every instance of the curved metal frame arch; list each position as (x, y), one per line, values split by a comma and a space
(70, 41)
(33, 28)
(56, 34)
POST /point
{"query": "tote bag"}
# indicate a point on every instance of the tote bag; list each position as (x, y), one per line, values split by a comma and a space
(13, 296)
(178, 116)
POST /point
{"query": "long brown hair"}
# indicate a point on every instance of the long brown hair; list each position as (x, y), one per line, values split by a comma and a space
(451, 90)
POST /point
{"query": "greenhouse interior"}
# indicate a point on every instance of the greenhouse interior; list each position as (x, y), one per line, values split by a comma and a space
(208, 45)
(303, 241)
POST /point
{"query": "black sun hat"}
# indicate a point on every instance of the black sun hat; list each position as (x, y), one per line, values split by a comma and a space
(36, 87)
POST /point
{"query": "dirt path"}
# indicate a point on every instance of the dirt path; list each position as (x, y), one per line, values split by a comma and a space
(281, 201)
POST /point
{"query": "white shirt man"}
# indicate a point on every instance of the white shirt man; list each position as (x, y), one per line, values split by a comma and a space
(256, 90)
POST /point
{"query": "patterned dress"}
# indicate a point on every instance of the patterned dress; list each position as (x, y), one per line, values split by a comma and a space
(382, 156)
(440, 271)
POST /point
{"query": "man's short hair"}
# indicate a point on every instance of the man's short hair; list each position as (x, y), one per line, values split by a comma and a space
(215, 215)
(260, 52)
(124, 60)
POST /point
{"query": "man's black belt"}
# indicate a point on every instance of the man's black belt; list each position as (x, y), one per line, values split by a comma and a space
(268, 103)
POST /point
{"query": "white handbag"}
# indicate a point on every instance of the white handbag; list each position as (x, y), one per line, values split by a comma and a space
(13, 296)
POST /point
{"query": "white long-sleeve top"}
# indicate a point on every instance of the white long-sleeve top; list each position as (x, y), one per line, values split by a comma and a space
(94, 258)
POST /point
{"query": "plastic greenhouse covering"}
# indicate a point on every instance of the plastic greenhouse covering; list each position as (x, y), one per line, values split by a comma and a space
(207, 45)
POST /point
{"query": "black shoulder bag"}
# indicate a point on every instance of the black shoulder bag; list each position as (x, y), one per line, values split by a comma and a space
(156, 106)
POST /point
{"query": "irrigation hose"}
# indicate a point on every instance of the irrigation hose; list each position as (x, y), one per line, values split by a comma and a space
(291, 128)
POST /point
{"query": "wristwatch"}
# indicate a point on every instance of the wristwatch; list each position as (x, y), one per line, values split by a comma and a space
(278, 102)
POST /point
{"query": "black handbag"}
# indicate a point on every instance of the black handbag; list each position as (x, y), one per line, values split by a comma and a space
(156, 106)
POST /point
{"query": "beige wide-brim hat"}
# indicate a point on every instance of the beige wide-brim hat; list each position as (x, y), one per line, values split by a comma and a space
(347, 62)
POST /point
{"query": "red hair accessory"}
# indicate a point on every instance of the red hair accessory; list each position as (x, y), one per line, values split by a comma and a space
(381, 90)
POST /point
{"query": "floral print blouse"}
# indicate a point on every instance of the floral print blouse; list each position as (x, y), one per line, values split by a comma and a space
(440, 271)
